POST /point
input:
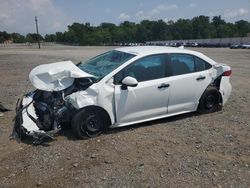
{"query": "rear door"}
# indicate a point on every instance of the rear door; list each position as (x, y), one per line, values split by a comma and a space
(190, 77)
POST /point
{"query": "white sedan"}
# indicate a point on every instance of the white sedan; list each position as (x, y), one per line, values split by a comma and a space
(121, 87)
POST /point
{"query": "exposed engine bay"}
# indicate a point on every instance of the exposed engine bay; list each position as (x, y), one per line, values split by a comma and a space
(41, 114)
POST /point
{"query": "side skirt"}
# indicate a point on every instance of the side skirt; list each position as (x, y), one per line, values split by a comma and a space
(149, 119)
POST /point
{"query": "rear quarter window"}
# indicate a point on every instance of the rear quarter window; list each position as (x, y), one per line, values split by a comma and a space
(201, 65)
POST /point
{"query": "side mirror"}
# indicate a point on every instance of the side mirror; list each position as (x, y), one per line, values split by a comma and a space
(129, 81)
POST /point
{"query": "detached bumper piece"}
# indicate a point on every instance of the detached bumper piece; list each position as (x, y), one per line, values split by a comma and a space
(26, 122)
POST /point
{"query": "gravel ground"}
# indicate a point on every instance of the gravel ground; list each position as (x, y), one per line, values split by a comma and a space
(188, 150)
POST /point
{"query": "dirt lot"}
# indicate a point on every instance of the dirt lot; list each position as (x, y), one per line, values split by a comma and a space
(185, 151)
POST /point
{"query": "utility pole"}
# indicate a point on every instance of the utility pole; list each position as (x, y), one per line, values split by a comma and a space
(38, 42)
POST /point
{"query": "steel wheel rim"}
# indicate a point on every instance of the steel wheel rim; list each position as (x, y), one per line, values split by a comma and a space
(91, 124)
(210, 101)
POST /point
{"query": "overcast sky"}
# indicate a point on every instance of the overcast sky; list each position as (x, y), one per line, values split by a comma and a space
(55, 15)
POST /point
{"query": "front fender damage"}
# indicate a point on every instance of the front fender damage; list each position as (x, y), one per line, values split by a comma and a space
(81, 99)
(40, 113)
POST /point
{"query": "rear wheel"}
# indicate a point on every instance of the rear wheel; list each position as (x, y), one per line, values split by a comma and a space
(209, 101)
(88, 123)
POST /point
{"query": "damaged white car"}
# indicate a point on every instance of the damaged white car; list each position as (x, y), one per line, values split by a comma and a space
(121, 87)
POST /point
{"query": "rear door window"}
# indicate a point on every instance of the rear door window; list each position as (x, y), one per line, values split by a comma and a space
(182, 64)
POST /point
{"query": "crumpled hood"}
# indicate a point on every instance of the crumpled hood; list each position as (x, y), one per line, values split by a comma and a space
(56, 76)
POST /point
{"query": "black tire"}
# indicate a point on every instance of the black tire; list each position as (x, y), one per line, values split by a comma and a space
(88, 123)
(210, 101)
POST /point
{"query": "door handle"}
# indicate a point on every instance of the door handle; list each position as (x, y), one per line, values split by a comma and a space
(201, 78)
(163, 86)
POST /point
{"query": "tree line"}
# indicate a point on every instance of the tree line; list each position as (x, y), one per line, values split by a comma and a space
(129, 32)
(18, 38)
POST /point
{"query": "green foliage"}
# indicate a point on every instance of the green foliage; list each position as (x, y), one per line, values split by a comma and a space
(201, 27)
(129, 32)
(32, 37)
(50, 38)
(242, 27)
(18, 38)
(182, 29)
(4, 36)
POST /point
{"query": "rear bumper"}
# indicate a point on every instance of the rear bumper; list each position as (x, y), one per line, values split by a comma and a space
(225, 89)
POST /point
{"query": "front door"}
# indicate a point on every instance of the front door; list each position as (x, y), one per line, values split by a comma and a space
(149, 98)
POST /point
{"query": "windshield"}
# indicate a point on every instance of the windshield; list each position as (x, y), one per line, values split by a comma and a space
(103, 64)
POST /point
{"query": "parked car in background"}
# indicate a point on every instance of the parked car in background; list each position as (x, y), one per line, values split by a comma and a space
(240, 46)
(245, 46)
(121, 87)
(235, 46)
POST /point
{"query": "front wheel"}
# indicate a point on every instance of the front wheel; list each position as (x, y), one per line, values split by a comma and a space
(209, 101)
(87, 123)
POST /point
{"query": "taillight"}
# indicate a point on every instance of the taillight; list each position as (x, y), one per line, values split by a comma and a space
(227, 73)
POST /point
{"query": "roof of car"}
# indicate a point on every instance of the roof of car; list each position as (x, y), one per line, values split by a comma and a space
(149, 50)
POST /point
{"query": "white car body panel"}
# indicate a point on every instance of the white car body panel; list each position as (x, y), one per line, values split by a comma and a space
(28, 124)
(102, 96)
(225, 89)
(225, 85)
(147, 119)
(145, 100)
(142, 103)
(81, 99)
(182, 96)
(56, 76)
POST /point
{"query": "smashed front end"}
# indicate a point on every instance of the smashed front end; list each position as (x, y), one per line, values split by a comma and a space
(41, 113)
